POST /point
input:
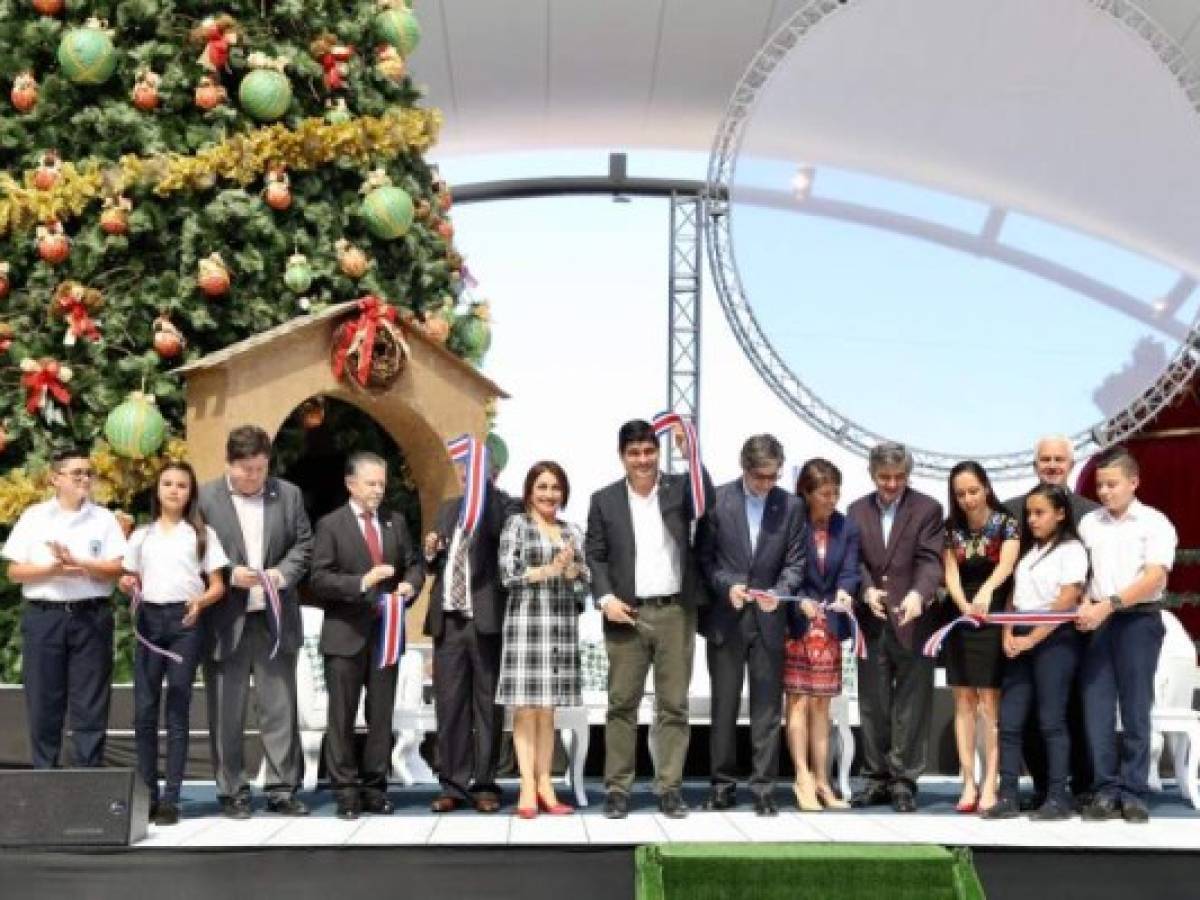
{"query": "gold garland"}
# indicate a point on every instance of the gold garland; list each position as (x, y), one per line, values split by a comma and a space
(241, 158)
(118, 480)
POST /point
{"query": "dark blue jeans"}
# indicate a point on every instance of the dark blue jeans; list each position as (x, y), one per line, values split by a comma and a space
(67, 658)
(1118, 669)
(163, 625)
(1039, 678)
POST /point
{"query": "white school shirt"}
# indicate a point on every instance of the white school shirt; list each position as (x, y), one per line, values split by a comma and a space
(91, 532)
(1040, 576)
(1122, 548)
(165, 559)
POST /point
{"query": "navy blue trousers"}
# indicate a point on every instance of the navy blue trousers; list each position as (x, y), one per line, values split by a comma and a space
(162, 625)
(67, 660)
(1040, 678)
(1118, 670)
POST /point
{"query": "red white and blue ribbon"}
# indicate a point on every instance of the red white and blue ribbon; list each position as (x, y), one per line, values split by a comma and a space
(664, 423)
(933, 646)
(135, 603)
(473, 454)
(860, 643)
(391, 629)
(274, 606)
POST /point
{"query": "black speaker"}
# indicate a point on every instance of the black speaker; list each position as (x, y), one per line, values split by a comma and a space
(72, 808)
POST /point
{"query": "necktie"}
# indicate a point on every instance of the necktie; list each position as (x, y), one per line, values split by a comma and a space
(458, 574)
(372, 534)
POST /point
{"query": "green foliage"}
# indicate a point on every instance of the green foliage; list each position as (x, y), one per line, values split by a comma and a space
(152, 269)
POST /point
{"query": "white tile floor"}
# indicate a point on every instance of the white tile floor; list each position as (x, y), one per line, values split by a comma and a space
(1173, 826)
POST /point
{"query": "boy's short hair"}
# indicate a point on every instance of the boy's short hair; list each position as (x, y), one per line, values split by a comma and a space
(1118, 457)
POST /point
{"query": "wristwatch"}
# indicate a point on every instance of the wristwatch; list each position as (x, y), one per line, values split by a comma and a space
(1117, 603)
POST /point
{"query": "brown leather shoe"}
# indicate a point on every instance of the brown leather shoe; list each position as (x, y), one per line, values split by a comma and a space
(487, 803)
(444, 803)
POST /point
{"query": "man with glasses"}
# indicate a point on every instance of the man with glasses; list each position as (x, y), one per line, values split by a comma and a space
(66, 554)
(751, 541)
(901, 556)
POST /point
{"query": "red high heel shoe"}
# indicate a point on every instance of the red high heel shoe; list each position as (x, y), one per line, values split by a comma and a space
(526, 812)
(967, 808)
(555, 809)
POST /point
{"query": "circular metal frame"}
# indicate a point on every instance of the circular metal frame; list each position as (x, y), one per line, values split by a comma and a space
(767, 361)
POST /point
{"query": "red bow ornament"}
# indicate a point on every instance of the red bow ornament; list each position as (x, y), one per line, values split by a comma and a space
(45, 380)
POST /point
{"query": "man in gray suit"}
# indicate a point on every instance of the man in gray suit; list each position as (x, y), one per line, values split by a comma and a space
(639, 549)
(1053, 462)
(901, 555)
(751, 540)
(262, 525)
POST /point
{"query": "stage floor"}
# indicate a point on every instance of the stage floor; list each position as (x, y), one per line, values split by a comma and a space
(1174, 825)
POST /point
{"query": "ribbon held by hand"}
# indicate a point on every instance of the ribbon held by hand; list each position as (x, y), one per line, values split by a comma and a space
(666, 422)
(933, 646)
(474, 456)
(856, 636)
(391, 629)
(135, 603)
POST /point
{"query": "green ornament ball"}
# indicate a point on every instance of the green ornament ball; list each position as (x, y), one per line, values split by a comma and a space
(265, 94)
(87, 55)
(135, 429)
(388, 212)
(400, 28)
(474, 336)
(298, 276)
(498, 451)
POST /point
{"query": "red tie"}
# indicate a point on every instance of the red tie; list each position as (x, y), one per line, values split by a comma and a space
(373, 545)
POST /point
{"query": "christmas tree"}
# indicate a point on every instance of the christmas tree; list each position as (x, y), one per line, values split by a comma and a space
(176, 176)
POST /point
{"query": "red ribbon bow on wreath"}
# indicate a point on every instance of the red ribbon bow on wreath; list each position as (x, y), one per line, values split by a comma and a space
(42, 380)
(79, 323)
(216, 49)
(371, 310)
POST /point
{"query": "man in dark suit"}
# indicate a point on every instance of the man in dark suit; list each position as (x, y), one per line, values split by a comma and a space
(361, 553)
(639, 550)
(262, 525)
(1053, 461)
(901, 553)
(466, 620)
(751, 540)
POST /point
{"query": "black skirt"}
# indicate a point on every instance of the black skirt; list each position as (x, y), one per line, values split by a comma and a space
(975, 657)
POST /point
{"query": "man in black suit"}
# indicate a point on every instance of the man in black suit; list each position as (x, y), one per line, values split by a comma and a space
(466, 620)
(360, 553)
(263, 528)
(639, 550)
(751, 540)
(1053, 461)
(900, 550)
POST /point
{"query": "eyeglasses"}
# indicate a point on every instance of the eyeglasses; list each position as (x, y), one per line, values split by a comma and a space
(78, 474)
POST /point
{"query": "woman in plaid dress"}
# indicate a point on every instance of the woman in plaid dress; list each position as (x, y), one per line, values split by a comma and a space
(542, 567)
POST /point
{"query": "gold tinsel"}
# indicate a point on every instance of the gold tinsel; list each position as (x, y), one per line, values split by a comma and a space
(241, 158)
(117, 484)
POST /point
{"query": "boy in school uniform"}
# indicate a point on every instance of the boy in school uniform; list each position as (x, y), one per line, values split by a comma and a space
(66, 554)
(1132, 549)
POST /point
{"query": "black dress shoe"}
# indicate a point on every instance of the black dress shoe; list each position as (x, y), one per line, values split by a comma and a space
(719, 800)
(287, 806)
(378, 806)
(347, 810)
(871, 795)
(1053, 811)
(672, 805)
(1134, 812)
(1101, 809)
(236, 807)
(1004, 808)
(764, 805)
(903, 801)
(1033, 802)
(166, 813)
(616, 805)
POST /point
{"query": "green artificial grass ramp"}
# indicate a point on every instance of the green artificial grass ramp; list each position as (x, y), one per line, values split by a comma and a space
(805, 872)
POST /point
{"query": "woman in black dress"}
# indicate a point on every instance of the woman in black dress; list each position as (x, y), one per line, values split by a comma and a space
(982, 544)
